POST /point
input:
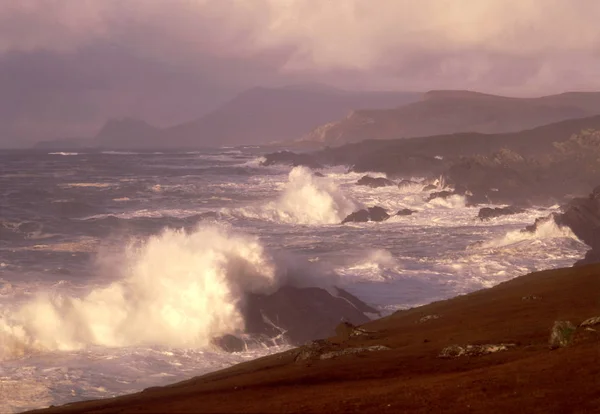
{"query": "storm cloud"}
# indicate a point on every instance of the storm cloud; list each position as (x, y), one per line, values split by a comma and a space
(68, 65)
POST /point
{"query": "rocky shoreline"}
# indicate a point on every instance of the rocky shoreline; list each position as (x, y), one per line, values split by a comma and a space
(529, 344)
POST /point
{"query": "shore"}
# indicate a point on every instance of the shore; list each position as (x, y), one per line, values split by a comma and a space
(418, 360)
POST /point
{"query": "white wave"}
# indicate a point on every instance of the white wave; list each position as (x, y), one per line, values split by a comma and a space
(63, 153)
(453, 201)
(546, 230)
(120, 153)
(178, 289)
(306, 199)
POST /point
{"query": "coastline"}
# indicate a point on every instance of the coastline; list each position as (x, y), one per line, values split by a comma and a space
(412, 375)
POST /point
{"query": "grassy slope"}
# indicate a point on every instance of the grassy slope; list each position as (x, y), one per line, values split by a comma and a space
(410, 377)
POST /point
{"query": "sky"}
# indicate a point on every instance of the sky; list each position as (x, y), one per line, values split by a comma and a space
(66, 66)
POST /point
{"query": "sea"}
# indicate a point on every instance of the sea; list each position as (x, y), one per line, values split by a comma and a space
(118, 268)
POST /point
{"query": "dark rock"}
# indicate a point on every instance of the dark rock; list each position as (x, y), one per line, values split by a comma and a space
(318, 174)
(561, 334)
(430, 187)
(488, 213)
(538, 222)
(439, 194)
(376, 214)
(291, 158)
(300, 314)
(230, 343)
(370, 214)
(375, 182)
(405, 212)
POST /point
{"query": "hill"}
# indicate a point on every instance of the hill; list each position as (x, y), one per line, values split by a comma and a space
(256, 116)
(493, 351)
(447, 112)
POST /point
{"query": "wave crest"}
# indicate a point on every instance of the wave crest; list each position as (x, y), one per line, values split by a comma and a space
(179, 289)
(306, 199)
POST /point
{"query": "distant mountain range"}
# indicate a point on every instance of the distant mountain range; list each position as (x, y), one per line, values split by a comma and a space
(256, 116)
(447, 112)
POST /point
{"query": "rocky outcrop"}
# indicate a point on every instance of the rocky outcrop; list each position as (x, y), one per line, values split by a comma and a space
(406, 184)
(298, 315)
(487, 213)
(455, 351)
(582, 216)
(405, 212)
(439, 194)
(290, 158)
(365, 215)
(375, 182)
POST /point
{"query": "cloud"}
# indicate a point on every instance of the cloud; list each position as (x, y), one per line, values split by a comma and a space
(170, 60)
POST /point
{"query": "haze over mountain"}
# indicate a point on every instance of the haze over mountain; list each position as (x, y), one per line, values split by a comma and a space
(66, 67)
(447, 112)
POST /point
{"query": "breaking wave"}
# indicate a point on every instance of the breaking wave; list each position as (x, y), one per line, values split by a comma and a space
(306, 199)
(177, 289)
(545, 230)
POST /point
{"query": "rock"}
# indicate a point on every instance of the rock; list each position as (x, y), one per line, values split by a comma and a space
(430, 187)
(439, 194)
(352, 351)
(429, 318)
(538, 222)
(291, 158)
(375, 182)
(230, 343)
(323, 350)
(370, 214)
(455, 351)
(591, 322)
(530, 297)
(318, 174)
(298, 315)
(561, 334)
(488, 213)
(405, 212)
(346, 330)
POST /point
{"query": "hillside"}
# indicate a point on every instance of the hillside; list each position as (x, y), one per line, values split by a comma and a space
(447, 112)
(486, 352)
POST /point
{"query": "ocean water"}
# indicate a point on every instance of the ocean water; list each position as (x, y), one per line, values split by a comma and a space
(117, 268)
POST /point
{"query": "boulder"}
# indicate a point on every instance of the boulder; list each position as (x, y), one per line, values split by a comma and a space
(405, 212)
(375, 182)
(561, 334)
(318, 174)
(487, 213)
(430, 187)
(370, 214)
(298, 315)
(229, 343)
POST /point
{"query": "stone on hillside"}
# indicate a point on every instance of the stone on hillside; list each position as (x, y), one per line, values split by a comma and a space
(561, 334)
(405, 212)
(455, 351)
(591, 322)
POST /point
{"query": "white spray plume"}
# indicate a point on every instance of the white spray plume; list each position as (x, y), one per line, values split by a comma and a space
(178, 289)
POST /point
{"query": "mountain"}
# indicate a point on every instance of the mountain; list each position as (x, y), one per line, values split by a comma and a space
(447, 112)
(256, 116)
(129, 133)
(265, 115)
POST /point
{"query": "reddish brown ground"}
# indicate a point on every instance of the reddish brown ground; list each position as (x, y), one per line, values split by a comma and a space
(410, 377)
